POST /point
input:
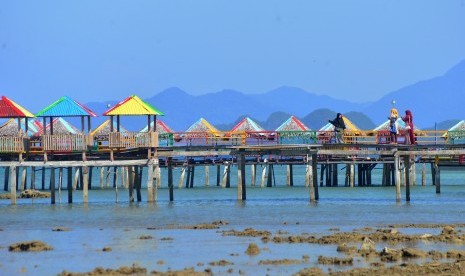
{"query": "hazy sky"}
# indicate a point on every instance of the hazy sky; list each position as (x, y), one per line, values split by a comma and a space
(97, 50)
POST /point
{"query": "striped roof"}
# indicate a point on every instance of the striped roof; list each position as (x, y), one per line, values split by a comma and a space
(60, 126)
(202, 125)
(10, 109)
(460, 126)
(161, 127)
(65, 107)
(10, 127)
(385, 125)
(293, 124)
(349, 126)
(247, 124)
(133, 106)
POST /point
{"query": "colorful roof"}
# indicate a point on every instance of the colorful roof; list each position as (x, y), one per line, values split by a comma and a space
(104, 129)
(460, 126)
(202, 125)
(10, 127)
(10, 109)
(161, 127)
(60, 126)
(247, 124)
(133, 106)
(293, 124)
(349, 126)
(65, 107)
(385, 125)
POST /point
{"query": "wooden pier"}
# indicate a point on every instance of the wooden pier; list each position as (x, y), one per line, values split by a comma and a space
(322, 163)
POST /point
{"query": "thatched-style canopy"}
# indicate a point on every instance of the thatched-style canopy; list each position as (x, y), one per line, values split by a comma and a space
(202, 125)
(10, 127)
(401, 127)
(293, 124)
(162, 128)
(103, 130)
(247, 124)
(60, 126)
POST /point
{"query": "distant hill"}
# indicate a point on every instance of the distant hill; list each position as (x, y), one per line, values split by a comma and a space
(444, 125)
(430, 101)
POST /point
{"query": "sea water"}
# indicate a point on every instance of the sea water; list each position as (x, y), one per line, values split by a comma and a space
(103, 222)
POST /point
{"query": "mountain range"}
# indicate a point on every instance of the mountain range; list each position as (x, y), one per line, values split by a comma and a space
(431, 101)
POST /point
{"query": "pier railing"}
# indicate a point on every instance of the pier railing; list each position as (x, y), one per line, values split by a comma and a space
(13, 144)
(64, 142)
(132, 140)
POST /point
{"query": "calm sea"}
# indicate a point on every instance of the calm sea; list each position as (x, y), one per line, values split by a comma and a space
(119, 225)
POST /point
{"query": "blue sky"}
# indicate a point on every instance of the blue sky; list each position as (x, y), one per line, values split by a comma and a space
(100, 50)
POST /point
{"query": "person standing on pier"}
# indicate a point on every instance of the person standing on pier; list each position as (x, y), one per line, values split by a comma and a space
(339, 127)
(408, 119)
(393, 129)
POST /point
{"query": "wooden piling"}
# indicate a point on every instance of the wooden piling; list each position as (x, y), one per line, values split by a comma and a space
(191, 185)
(437, 174)
(102, 176)
(309, 177)
(397, 173)
(52, 185)
(288, 175)
(6, 179)
(218, 174)
(241, 192)
(269, 181)
(85, 184)
(264, 174)
(33, 178)
(253, 173)
(23, 178)
(423, 174)
(138, 182)
(70, 184)
(170, 178)
(12, 170)
(60, 183)
(76, 179)
(115, 176)
(315, 175)
(150, 188)
(43, 178)
(90, 177)
(407, 163)
(131, 183)
(188, 178)
(228, 176)
(207, 175)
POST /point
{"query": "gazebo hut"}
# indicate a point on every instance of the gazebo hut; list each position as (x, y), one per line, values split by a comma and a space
(60, 127)
(201, 129)
(10, 127)
(132, 106)
(248, 128)
(455, 133)
(165, 133)
(325, 133)
(16, 142)
(383, 134)
(101, 134)
(66, 141)
(293, 129)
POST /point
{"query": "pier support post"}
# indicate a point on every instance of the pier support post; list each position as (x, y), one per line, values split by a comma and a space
(309, 177)
(170, 178)
(188, 179)
(437, 174)
(315, 175)
(253, 173)
(241, 192)
(407, 163)
(191, 185)
(423, 174)
(397, 173)
(335, 181)
(12, 170)
(269, 181)
(23, 178)
(33, 178)
(228, 176)
(70, 184)
(131, 183)
(150, 190)
(352, 175)
(6, 179)
(139, 171)
(218, 174)
(181, 177)
(85, 184)
(264, 174)
(43, 178)
(207, 176)
(52, 185)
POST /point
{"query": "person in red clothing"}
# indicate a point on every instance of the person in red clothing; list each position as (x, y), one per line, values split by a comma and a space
(408, 119)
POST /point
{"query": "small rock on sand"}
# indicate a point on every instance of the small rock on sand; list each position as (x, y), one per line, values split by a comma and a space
(252, 250)
(368, 246)
(29, 246)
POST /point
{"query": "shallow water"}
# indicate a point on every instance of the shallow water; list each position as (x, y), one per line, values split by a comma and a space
(103, 222)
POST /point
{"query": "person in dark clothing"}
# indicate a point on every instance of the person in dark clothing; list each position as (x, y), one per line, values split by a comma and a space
(410, 135)
(339, 127)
